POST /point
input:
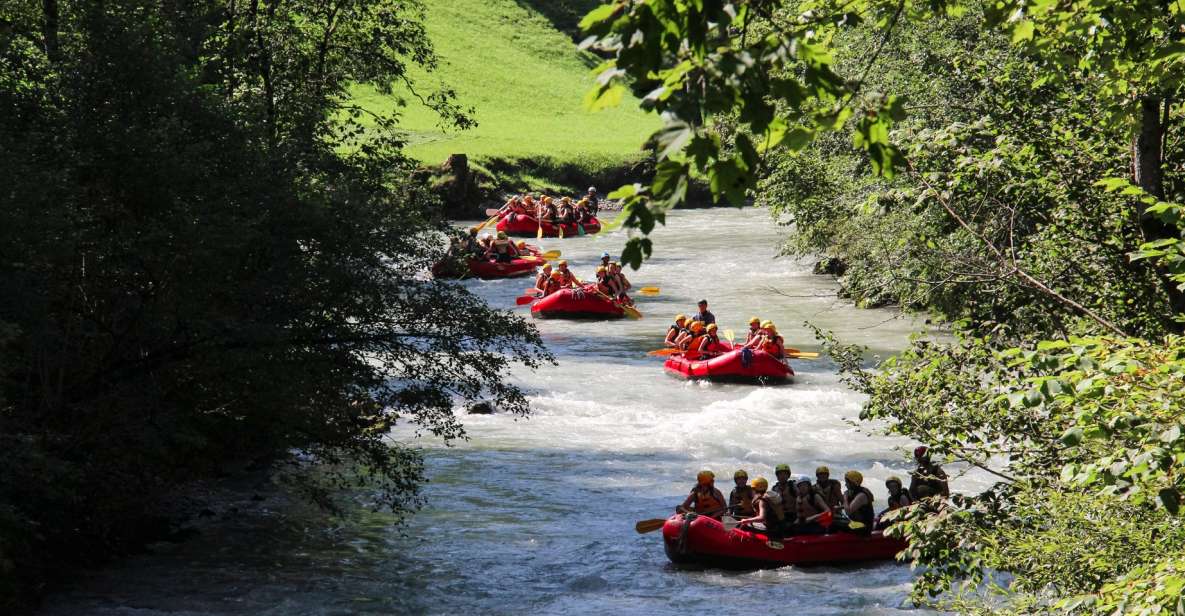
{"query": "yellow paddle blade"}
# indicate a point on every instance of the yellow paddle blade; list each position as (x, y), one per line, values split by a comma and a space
(551, 254)
(560, 229)
(855, 525)
(729, 335)
(486, 223)
(646, 526)
(539, 233)
(632, 312)
(802, 355)
(649, 291)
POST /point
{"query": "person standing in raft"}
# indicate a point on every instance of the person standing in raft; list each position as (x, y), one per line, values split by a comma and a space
(812, 513)
(767, 517)
(928, 479)
(676, 330)
(543, 279)
(898, 499)
(704, 315)
(594, 204)
(857, 502)
(828, 488)
(704, 498)
(740, 500)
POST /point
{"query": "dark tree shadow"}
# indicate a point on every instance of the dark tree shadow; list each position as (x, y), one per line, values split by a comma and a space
(565, 15)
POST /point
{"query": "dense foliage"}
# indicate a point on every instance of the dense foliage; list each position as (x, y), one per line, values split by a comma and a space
(206, 263)
(1012, 166)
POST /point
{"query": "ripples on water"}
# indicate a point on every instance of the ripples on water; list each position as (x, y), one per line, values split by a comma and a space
(537, 515)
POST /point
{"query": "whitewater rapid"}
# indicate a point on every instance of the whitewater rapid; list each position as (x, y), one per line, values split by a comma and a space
(536, 515)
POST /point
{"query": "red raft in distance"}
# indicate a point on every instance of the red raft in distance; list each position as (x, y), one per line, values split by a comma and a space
(576, 304)
(700, 540)
(732, 366)
(488, 270)
(527, 226)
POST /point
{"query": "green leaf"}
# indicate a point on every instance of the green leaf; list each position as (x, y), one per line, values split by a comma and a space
(1022, 31)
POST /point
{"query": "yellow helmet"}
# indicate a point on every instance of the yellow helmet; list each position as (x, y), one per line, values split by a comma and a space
(705, 476)
(893, 479)
(753, 320)
(563, 263)
(822, 469)
(760, 483)
(782, 467)
(740, 474)
(854, 476)
(546, 266)
(600, 268)
(711, 327)
(767, 324)
(680, 317)
(521, 244)
(772, 328)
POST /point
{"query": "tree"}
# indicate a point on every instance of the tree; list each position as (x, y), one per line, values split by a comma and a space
(209, 263)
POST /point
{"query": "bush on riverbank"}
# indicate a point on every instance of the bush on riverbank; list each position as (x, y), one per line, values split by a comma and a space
(208, 264)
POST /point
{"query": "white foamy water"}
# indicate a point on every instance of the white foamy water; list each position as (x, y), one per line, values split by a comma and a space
(536, 515)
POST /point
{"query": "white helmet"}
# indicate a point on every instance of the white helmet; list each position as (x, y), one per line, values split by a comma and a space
(592, 189)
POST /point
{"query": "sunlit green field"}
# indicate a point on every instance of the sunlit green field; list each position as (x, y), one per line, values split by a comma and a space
(526, 82)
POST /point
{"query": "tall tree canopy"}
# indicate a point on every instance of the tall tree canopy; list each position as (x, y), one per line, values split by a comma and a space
(207, 261)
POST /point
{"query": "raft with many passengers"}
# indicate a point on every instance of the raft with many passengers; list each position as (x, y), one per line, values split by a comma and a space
(486, 269)
(691, 539)
(528, 226)
(577, 303)
(734, 365)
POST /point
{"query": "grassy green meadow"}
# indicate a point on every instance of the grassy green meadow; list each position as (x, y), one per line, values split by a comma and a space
(525, 80)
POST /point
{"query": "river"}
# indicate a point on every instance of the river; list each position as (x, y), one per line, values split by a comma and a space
(536, 515)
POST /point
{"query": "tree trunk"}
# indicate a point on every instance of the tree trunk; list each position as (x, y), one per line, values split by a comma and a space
(49, 28)
(1147, 171)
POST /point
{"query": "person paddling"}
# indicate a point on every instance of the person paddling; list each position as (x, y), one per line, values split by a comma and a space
(828, 488)
(618, 283)
(567, 278)
(708, 343)
(542, 279)
(676, 330)
(928, 479)
(898, 499)
(605, 259)
(785, 491)
(754, 330)
(704, 498)
(857, 501)
(767, 517)
(810, 509)
(740, 500)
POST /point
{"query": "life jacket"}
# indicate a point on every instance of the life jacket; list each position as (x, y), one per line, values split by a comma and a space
(742, 499)
(804, 506)
(673, 329)
(827, 490)
(569, 277)
(785, 490)
(551, 286)
(692, 344)
(705, 502)
(711, 339)
(774, 346)
(773, 511)
(895, 501)
(541, 280)
(865, 513)
(502, 247)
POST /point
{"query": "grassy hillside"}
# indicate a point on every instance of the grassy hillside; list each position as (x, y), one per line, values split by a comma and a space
(512, 61)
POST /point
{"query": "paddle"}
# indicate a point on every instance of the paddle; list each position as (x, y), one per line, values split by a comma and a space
(580, 229)
(729, 335)
(649, 526)
(665, 352)
(485, 224)
(493, 211)
(730, 523)
(649, 291)
(801, 354)
(523, 300)
(549, 255)
(539, 233)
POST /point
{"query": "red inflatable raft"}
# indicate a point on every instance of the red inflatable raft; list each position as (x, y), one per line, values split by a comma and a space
(520, 224)
(700, 540)
(735, 365)
(487, 270)
(576, 304)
